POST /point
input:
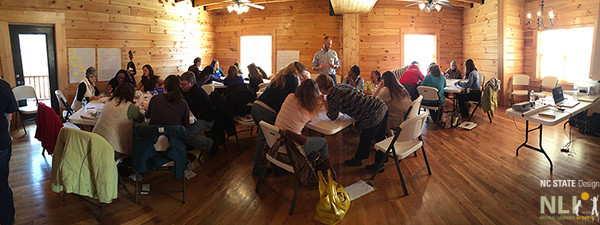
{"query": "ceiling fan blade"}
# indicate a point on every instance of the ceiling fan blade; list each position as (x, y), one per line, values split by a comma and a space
(254, 5)
(416, 3)
(408, 0)
(445, 4)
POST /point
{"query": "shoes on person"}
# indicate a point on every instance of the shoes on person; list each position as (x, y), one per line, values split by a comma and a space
(133, 177)
(374, 167)
(353, 162)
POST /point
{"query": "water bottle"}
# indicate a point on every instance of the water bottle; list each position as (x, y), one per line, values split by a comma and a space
(531, 96)
(575, 91)
(84, 102)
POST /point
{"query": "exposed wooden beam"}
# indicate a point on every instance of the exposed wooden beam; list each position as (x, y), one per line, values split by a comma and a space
(223, 5)
(458, 3)
(208, 2)
(472, 1)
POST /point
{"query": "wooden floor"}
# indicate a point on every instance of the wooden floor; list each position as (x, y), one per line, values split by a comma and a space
(477, 179)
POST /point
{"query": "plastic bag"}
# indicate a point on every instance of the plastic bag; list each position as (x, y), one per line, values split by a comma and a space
(334, 201)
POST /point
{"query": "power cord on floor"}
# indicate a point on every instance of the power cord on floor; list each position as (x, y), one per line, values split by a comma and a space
(513, 119)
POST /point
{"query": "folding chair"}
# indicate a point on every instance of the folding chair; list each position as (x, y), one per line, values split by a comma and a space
(548, 83)
(271, 135)
(406, 141)
(431, 94)
(478, 103)
(24, 93)
(170, 155)
(63, 102)
(519, 80)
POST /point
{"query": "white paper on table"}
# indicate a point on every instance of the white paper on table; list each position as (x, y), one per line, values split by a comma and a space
(359, 189)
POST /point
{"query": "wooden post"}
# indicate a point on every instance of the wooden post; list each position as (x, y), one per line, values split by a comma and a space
(350, 43)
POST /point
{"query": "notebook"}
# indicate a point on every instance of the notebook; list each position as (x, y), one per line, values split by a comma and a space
(559, 98)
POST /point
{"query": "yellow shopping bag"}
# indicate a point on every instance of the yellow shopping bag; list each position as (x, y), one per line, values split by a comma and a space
(334, 201)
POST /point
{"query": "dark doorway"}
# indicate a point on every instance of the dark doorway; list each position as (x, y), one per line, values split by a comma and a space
(34, 60)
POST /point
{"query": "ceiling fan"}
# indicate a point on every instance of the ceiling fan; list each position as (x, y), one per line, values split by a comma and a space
(242, 6)
(429, 5)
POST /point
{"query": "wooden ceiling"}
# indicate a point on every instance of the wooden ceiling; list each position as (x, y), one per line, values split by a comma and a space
(339, 6)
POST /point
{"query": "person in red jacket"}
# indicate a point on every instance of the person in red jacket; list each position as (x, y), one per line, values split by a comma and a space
(410, 80)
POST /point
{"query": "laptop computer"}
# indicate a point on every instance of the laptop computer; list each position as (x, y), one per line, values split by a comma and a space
(559, 98)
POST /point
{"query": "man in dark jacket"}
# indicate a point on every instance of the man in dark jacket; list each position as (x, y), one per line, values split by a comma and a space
(8, 105)
(202, 108)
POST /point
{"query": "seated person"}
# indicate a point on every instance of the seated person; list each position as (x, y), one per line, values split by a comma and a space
(400, 71)
(436, 80)
(202, 108)
(266, 107)
(395, 97)
(196, 67)
(410, 80)
(254, 76)
(217, 71)
(372, 84)
(86, 89)
(233, 77)
(371, 114)
(472, 88)
(353, 79)
(297, 110)
(121, 77)
(169, 108)
(206, 76)
(453, 72)
(149, 81)
(115, 123)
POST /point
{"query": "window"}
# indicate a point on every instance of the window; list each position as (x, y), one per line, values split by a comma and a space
(257, 50)
(565, 53)
(420, 48)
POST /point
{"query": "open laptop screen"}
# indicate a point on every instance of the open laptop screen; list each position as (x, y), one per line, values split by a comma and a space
(557, 94)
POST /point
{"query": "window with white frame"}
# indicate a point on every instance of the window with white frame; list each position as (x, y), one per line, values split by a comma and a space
(420, 48)
(565, 53)
(257, 50)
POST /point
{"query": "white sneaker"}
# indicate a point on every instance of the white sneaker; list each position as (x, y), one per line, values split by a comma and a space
(134, 178)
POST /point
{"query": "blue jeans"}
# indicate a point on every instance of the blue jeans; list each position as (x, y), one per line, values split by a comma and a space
(195, 138)
(7, 208)
(316, 144)
(259, 113)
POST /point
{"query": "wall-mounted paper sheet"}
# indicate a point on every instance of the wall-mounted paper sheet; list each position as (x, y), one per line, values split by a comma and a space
(109, 62)
(79, 60)
(285, 57)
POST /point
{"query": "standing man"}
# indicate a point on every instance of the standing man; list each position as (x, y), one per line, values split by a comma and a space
(8, 105)
(196, 68)
(326, 60)
(202, 108)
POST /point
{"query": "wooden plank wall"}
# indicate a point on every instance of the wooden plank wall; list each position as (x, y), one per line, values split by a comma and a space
(380, 39)
(514, 30)
(301, 26)
(298, 25)
(480, 37)
(569, 14)
(164, 34)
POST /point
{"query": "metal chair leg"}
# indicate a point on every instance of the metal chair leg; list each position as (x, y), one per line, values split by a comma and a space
(294, 198)
(22, 123)
(136, 187)
(426, 161)
(183, 195)
(123, 184)
(101, 212)
(400, 174)
(474, 110)
(489, 116)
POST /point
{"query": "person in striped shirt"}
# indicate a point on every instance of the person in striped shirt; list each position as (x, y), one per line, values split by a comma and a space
(370, 113)
(297, 110)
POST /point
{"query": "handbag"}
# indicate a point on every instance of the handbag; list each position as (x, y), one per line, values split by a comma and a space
(334, 200)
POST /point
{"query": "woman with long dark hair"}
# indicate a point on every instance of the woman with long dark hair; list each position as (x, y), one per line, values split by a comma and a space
(169, 108)
(233, 77)
(122, 76)
(266, 107)
(395, 97)
(472, 88)
(297, 110)
(115, 123)
(149, 80)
